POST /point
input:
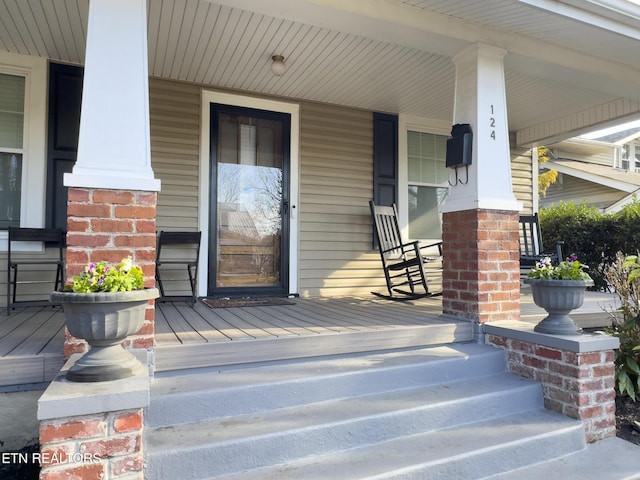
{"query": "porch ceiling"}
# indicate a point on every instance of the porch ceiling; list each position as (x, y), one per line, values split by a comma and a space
(565, 64)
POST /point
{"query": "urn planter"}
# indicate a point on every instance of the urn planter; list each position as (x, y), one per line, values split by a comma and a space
(104, 320)
(558, 298)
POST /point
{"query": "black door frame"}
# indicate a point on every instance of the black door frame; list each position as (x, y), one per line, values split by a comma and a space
(283, 287)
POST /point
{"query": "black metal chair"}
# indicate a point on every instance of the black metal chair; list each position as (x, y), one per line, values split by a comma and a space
(51, 238)
(175, 250)
(531, 246)
(403, 263)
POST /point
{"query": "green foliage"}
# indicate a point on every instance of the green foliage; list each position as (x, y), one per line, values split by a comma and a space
(548, 177)
(569, 269)
(594, 237)
(102, 277)
(624, 276)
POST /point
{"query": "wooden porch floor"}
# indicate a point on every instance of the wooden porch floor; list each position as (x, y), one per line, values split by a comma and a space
(31, 338)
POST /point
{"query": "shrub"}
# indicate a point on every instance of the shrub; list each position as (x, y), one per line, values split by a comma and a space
(624, 276)
(585, 232)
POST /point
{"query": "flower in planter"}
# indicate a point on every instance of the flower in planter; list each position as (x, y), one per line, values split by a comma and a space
(103, 277)
(569, 269)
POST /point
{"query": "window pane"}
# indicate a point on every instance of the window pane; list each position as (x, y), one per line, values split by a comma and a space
(426, 157)
(10, 181)
(424, 217)
(11, 111)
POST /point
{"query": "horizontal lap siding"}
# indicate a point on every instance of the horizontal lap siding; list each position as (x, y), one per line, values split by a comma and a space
(572, 189)
(175, 150)
(336, 171)
(522, 178)
(174, 110)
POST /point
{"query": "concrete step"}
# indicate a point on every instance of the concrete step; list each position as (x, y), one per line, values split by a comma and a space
(610, 459)
(470, 451)
(410, 414)
(192, 396)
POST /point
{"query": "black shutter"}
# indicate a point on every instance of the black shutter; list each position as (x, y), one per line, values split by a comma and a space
(65, 96)
(385, 159)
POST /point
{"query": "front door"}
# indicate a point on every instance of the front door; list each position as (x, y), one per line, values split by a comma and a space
(248, 247)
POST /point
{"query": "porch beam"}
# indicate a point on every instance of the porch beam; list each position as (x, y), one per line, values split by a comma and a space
(598, 117)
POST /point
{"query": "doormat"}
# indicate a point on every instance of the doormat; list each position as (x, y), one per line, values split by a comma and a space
(246, 302)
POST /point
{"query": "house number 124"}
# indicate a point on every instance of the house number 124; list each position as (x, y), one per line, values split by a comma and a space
(492, 125)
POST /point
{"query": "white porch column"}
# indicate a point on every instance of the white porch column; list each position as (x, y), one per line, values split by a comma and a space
(114, 144)
(480, 217)
(480, 101)
(112, 195)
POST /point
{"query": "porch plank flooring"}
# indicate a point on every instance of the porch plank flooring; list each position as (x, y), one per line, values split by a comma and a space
(32, 338)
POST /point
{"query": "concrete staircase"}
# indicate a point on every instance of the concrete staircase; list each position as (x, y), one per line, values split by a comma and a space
(448, 412)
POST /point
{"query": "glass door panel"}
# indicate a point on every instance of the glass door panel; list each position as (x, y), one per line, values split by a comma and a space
(250, 202)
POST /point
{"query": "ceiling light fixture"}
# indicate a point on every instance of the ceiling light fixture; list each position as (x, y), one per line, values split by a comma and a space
(278, 66)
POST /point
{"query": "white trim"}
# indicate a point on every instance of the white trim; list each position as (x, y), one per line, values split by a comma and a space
(225, 98)
(32, 200)
(416, 124)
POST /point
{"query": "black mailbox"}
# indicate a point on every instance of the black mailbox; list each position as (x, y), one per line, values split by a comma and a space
(459, 146)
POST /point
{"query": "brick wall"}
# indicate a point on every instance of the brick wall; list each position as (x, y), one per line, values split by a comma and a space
(481, 269)
(104, 224)
(578, 385)
(102, 446)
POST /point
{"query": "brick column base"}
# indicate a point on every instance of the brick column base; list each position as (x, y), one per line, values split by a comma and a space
(481, 265)
(110, 225)
(577, 384)
(107, 445)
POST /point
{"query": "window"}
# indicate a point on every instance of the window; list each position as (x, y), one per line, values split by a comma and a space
(427, 183)
(629, 157)
(12, 95)
(23, 107)
(422, 176)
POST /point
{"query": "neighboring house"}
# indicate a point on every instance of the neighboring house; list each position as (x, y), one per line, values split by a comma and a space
(603, 172)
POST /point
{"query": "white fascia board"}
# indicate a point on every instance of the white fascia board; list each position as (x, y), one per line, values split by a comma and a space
(590, 177)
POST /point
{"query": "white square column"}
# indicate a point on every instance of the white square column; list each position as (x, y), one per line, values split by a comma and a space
(480, 101)
(114, 145)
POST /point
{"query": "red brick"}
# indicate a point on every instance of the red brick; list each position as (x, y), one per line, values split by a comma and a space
(589, 358)
(131, 463)
(548, 353)
(535, 362)
(111, 447)
(144, 342)
(112, 226)
(54, 455)
(129, 421)
(590, 412)
(135, 211)
(86, 471)
(78, 195)
(135, 241)
(78, 225)
(115, 197)
(88, 239)
(146, 198)
(71, 429)
(88, 210)
(145, 226)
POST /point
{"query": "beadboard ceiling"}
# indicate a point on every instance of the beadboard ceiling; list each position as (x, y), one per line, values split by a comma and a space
(395, 57)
